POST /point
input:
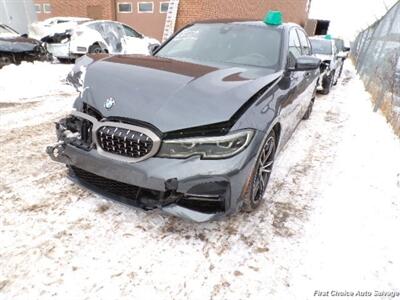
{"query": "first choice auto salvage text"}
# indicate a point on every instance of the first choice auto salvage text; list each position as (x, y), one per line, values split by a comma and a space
(336, 293)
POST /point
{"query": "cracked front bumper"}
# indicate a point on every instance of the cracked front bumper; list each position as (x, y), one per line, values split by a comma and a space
(194, 189)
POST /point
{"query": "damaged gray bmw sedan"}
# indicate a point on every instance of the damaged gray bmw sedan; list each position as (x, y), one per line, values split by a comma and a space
(194, 129)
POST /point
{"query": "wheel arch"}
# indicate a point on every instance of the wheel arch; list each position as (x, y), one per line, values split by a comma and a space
(278, 129)
(100, 44)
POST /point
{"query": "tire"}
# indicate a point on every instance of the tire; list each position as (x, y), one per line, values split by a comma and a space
(6, 60)
(65, 60)
(341, 70)
(309, 110)
(96, 48)
(262, 169)
(337, 79)
(327, 84)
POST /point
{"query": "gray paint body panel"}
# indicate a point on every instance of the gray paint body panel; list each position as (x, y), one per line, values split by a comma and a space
(171, 100)
(172, 95)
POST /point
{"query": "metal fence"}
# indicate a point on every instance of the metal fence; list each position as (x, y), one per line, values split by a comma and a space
(376, 53)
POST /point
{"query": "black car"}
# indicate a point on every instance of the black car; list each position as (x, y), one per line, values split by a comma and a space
(15, 48)
(195, 128)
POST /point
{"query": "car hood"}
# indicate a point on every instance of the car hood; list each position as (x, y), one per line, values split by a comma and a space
(40, 30)
(171, 94)
(17, 44)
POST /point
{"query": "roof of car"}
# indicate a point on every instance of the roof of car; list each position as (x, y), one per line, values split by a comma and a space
(68, 18)
(100, 21)
(252, 22)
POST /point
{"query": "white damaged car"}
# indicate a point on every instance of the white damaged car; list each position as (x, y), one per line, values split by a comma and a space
(39, 30)
(324, 48)
(98, 37)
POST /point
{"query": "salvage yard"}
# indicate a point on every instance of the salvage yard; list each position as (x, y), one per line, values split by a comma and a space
(330, 221)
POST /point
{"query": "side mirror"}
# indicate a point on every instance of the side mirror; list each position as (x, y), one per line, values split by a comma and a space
(307, 63)
(153, 48)
(346, 49)
(25, 35)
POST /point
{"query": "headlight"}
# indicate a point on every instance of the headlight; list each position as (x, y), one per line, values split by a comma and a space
(207, 147)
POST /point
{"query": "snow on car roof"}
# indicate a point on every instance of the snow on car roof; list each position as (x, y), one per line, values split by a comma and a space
(67, 19)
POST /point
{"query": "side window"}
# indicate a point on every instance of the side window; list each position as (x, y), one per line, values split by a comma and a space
(47, 8)
(125, 7)
(294, 48)
(99, 28)
(38, 8)
(164, 7)
(145, 7)
(305, 43)
(131, 33)
(116, 32)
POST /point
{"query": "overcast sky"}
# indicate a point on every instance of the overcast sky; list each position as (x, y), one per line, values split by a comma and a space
(348, 16)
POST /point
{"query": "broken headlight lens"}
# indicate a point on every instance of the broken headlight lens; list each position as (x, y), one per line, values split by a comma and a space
(207, 147)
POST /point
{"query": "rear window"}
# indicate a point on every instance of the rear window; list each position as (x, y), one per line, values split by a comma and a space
(321, 47)
(239, 44)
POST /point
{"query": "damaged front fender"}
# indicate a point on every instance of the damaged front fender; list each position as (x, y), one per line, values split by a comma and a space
(76, 77)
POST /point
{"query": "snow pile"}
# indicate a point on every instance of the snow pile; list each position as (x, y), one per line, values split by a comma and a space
(33, 92)
(29, 82)
(330, 221)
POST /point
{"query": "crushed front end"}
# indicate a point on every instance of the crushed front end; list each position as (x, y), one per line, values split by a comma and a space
(121, 160)
(17, 50)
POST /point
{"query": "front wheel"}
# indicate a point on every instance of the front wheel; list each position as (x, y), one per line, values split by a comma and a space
(261, 174)
(96, 49)
(309, 110)
(327, 83)
(335, 81)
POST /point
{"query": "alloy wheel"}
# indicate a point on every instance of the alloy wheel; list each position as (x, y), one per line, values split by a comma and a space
(263, 170)
(97, 50)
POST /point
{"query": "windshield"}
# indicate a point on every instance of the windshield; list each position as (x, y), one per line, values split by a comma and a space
(321, 47)
(226, 43)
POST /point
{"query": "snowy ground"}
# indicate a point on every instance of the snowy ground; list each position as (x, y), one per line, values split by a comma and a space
(330, 222)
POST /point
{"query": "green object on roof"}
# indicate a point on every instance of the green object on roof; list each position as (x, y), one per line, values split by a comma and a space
(328, 37)
(273, 17)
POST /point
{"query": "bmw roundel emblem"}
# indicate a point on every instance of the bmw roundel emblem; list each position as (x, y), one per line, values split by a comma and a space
(109, 103)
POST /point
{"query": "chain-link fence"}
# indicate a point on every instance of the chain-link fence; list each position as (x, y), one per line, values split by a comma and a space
(376, 53)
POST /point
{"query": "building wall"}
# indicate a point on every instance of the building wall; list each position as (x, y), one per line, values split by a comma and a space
(310, 27)
(150, 24)
(192, 10)
(97, 9)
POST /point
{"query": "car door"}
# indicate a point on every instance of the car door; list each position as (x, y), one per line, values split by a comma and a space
(135, 43)
(310, 77)
(292, 103)
(113, 35)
